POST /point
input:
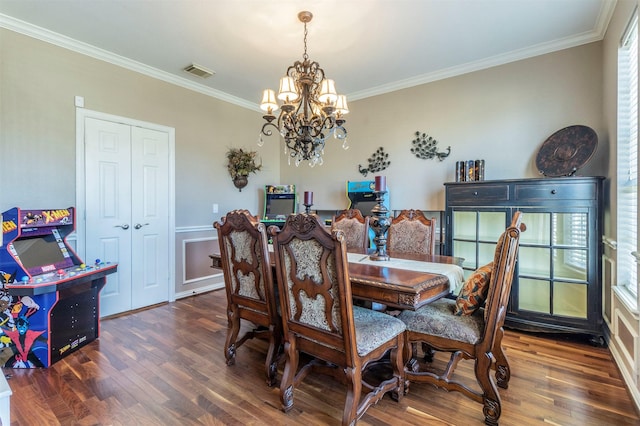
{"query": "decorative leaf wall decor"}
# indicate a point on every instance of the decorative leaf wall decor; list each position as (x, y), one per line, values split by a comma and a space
(425, 147)
(377, 162)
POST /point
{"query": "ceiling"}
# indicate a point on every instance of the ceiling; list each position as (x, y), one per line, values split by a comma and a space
(368, 47)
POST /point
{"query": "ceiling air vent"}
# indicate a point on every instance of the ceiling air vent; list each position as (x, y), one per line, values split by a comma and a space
(199, 71)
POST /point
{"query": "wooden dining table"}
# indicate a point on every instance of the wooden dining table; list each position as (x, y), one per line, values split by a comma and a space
(384, 283)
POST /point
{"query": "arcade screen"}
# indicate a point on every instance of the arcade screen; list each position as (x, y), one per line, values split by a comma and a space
(44, 253)
(280, 205)
(365, 207)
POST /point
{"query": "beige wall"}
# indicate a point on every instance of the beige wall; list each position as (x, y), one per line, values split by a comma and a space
(501, 115)
(37, 129)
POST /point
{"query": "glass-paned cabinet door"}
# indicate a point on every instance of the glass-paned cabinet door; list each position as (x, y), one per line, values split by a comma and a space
(570, 299)
(474, 236)
(552, 263)
(534, 295)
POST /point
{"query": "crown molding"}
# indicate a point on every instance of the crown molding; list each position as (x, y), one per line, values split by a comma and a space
(597, 34)
(86, 49)
(469, 67)
(606, 12)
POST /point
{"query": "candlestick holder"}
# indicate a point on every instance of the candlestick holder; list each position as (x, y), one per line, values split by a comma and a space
(307, 208)
(380, 223)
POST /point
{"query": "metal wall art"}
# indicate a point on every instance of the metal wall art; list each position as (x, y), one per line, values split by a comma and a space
(377, 162)
(425, 147)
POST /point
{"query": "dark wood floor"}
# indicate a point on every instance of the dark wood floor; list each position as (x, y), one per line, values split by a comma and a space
(165, 366)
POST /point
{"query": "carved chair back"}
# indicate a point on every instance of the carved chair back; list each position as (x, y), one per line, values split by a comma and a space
(319, 318)
(411, 232)
(313, 280)
(355, 228)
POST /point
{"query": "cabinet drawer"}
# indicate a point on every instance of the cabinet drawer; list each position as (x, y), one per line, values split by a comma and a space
(555, 191)
(473, 193)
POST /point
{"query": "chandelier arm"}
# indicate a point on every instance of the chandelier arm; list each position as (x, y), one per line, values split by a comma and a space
(328, 123)
(265, 128)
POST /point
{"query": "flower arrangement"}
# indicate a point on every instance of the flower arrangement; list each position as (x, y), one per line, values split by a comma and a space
(241, 162)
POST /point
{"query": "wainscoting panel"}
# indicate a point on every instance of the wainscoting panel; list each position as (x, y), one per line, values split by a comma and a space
(608, 278)
(626, 341)
(622, 322)
(196, 261)
(194, 274)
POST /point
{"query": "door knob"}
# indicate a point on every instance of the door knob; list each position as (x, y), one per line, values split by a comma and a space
(138, 226)
(125, 226)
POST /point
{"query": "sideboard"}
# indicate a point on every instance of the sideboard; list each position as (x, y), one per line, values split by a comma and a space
(557, 282)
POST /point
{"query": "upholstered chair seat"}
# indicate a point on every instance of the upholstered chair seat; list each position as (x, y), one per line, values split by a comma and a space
(437, 319)
(374, 328)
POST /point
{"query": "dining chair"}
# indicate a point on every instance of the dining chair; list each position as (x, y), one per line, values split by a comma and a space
(355, 228)
(249, 286)
(319, 318)
(460, 327)
(412, 233)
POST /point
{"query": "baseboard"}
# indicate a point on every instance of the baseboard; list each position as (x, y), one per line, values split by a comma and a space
(199, 290)
(628, 379)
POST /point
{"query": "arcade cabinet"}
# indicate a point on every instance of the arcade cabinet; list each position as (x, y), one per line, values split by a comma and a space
(49, 300)
(361, 196)
(279, 202)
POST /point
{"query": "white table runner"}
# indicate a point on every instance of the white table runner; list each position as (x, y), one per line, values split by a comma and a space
(453, 272)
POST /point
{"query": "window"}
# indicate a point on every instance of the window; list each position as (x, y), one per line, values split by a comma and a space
(628, 157)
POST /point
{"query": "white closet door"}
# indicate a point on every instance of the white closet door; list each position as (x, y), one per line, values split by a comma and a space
(108, 207)
(127, 219)
(150, 216)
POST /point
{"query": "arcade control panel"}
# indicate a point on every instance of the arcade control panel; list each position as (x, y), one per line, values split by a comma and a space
(52, 281)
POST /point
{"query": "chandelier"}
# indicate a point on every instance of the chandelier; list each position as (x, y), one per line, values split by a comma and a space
(311, 109)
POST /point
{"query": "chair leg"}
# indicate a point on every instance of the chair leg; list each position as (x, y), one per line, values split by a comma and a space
(289, 373)
(271, 363)
(408, 351)
(398, 371)
(233, 328)
(503, 371)
(455, 358)
(428, 352)
(490, 397)
(354, 390)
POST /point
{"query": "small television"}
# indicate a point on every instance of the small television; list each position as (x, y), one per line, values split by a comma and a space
(43, 253)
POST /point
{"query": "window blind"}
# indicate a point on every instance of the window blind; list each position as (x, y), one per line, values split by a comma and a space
(628, 157)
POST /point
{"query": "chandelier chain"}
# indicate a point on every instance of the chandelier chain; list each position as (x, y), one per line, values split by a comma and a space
(305, 56)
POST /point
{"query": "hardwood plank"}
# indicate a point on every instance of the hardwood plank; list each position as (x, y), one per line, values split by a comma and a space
(165, 366)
